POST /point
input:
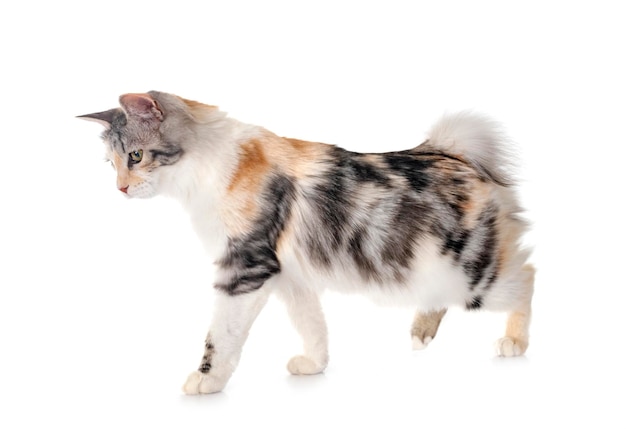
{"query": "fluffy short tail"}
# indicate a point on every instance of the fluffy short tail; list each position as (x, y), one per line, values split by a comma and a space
(478, 140)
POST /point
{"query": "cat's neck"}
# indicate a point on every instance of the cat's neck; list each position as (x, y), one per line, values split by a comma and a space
(200, 179)
(208, 163)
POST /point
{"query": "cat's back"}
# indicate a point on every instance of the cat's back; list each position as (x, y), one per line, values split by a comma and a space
(419, 225)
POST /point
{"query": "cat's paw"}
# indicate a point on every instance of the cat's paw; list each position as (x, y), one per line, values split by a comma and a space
(302, 365)
(509, 347)
(198, 383)
(420, 344)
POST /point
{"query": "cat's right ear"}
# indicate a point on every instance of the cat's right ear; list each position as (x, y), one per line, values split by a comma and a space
(104, 118)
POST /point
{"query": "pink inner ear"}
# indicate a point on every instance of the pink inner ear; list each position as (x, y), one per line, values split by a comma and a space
(141, 105)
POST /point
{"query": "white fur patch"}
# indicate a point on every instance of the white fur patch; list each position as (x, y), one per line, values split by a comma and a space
(507, 347)
(478, 139)
(418, 344)
(198, 382)
(302, 365)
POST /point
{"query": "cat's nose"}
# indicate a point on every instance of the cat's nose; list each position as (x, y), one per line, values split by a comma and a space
(124, 189)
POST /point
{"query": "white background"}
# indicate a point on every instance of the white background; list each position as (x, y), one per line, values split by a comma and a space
(105, 302)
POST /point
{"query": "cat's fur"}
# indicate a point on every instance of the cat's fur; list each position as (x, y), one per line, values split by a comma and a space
(432, 227)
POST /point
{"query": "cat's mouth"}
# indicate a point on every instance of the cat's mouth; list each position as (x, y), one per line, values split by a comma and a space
(142, 190)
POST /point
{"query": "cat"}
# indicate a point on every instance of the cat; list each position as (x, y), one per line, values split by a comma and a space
(435, 226)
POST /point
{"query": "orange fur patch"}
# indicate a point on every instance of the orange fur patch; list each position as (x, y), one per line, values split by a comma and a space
(196, 105)
(480, 195)
(252, 166)
(126, 177)
(302, 157)
(306, 149)
(245, 185)
(509, 233)
(301, 146)
(123, 176)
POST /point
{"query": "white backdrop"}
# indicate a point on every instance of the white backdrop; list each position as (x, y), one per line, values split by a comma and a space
(104, 302)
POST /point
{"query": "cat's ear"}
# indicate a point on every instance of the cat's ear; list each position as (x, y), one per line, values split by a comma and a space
(142, 106)
(104, 118)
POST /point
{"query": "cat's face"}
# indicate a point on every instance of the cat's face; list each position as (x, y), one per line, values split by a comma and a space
(135, 145)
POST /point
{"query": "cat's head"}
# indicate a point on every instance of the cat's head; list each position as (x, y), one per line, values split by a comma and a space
(145, 138)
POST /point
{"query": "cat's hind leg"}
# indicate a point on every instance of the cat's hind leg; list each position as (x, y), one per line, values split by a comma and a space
(425, 326)
(305, 310)
(515, 341)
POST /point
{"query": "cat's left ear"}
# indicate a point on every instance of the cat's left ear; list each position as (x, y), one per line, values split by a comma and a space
(142, 106)
(104, 118)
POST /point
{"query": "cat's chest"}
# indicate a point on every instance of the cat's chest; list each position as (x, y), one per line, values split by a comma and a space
(209, 227)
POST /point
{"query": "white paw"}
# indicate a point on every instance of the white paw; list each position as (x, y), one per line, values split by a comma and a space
(418, 344)
(198, 382)
(302, 365)
(508, 347)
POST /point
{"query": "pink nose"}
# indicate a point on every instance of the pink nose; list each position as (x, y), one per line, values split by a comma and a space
(124, 189)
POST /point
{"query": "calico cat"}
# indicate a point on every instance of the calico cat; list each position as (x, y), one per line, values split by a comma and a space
(434, 226)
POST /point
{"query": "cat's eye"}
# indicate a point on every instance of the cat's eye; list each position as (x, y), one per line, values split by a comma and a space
(135, 156)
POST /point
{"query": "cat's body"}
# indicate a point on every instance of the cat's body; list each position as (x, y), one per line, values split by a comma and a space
(431, 227)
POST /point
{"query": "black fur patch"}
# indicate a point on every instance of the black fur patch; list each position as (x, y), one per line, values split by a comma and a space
(365, 264)
(331, 206)
(475, 304)
(356, 168)
(251, 260)
(209, 350)
(412, 167)
(406, 227)
(379, 232)
(382, 245)
(456, 242)
(483, 237)
(167, 157)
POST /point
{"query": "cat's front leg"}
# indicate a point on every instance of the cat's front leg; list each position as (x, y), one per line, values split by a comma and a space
(233, 317)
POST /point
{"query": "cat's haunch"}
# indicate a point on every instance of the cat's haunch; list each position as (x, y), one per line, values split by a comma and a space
(434, 226)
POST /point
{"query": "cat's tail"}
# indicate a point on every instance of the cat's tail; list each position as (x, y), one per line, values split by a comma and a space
(479, 141)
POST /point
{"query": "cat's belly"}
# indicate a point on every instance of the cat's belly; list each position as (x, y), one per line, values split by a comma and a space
(431, 281)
